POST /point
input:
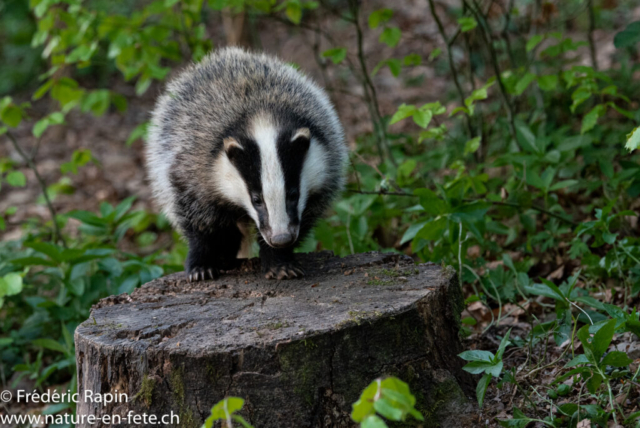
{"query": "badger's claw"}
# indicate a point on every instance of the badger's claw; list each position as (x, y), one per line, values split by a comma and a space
(285, 271)
(202, 274)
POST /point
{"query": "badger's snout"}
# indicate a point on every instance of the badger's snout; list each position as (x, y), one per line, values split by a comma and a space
(281, 239)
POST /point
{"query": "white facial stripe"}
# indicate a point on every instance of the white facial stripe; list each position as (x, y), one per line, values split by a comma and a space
(232, 186)
(314, 173)
(273, 188)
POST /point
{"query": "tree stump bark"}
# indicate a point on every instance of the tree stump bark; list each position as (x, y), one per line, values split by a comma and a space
(299, 352)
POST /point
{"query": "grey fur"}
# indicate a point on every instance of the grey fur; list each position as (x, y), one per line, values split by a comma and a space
(188, 124)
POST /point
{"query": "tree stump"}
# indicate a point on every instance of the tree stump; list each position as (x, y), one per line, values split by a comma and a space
(299, 352)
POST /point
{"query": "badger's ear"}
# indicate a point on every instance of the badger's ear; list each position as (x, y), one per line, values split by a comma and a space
(230, 144)
(301, 134)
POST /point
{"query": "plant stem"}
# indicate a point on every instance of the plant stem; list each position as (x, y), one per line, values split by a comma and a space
(505, 33)
(486, 36)
(370, 89)
(592, 27)
(57, 235)
(506, 204)
(454, 72)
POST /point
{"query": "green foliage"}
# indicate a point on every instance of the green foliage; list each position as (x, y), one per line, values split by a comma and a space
(336, 55)
(224, 411)
(628, 37)
(486, 363)
(390, 398)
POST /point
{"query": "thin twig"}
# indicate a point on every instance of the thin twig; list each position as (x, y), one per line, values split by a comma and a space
(57, 235)
(505, 33)
(370, 89)
(506, 204)
(454, 72)
(486, 36)
(592, 27)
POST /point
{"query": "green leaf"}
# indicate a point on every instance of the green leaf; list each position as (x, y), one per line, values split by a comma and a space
(387, 409)
(49, 344)
(477, 355)
(472, 145)
(404, 111)
(534, 41)
(633, 140)
(391, 36)
(40, 126)
(562, 184)
(548, 82)
(503, 345)
(373, 421)
(138, 132)
(336, 55)
(412, 59)
(526, 139)
(32, 261)
(422, 118)
(524, 83)
(242, 422)
(294, 11)
(433, 230)
(51, 250)
(379, 17)
(434, 54)
(394, 65)
(616, 359)
(602, 339)
(76, 286)
(10, 284)
(431, 202)
(364, 406)
(481, 388)
(628, 37)
(226, 407)
(11, 115)
(591, 119)
(412, 231)
(16, 179)
(594, 383)
(477, 367)
(563, 390)
(548, 289)
(519, 420)
(580, 359)
(39, 93)
(467, 23)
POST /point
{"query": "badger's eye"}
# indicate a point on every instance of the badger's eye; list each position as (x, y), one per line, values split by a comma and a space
(293, 194)
(256, 199)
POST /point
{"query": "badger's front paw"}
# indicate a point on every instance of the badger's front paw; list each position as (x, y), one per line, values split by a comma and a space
(284, 270)
(202, 273)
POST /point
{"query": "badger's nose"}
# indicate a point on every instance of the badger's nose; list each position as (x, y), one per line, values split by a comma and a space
(283, 240)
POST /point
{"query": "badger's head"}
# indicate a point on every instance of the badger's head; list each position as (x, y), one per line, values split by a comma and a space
(270, 168)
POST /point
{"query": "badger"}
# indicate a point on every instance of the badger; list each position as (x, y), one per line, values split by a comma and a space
(242, 142)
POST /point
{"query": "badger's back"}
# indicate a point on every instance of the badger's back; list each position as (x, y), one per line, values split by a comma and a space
(190, 121)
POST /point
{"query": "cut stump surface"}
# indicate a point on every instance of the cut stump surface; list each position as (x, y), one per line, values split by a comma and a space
(299, 352)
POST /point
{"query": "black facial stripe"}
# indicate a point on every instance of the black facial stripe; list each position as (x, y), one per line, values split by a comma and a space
(248, 163)
(292, 155)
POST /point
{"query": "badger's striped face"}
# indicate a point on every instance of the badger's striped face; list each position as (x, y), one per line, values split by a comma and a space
(270, 170)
